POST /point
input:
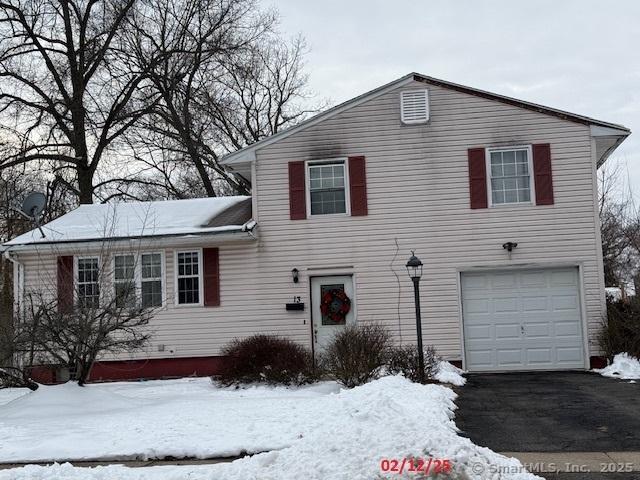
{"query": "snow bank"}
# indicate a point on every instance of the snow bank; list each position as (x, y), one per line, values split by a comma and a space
(448, 373)
(624, 367)
(313, 433)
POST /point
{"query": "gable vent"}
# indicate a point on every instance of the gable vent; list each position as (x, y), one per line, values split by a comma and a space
(414, 106)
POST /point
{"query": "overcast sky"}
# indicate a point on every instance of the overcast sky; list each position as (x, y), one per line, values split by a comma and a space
(582, 56)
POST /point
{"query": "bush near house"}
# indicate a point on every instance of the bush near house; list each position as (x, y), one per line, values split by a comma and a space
(357, 354)
(621, 332)
(268, 359)
(404, 359)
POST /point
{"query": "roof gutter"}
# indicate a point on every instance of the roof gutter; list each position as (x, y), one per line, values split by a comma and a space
(244, 233)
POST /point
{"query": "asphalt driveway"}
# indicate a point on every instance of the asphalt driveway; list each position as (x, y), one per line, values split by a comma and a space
(550, 412)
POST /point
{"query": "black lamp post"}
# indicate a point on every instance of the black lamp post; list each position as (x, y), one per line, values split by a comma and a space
(414, 267)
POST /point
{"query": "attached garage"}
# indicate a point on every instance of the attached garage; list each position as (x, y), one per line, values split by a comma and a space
(522, 320)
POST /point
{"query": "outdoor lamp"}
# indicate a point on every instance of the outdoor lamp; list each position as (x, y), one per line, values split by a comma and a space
(414, 267)
(294, 275)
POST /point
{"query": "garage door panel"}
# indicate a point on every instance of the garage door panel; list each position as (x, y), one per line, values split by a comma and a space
(508, 357)
(502, 281)
(533, 279)
(569, 355)
(507, 331)
(521, 320)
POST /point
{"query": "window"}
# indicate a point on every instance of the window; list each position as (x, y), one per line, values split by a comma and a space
(124, 280)
(88, 282)
(510, 175)
(151, 280)
(188, 278)
(327, 192)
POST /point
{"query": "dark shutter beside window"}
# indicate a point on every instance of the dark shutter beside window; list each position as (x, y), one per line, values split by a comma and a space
(542, 173)
(211, 276)
(477, 177)
(297, 191)
(65, 283)
(358, 186)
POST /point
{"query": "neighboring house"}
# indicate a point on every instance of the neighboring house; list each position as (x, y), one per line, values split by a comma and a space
(338, 203)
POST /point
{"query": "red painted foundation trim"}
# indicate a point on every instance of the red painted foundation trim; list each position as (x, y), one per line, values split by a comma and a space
(597, 362)
(156, 368)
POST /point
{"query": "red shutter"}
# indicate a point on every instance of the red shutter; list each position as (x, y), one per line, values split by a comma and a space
(358, 186)
(297, 191)
(211, 276)
(65, 283)
(542, 173)
(477, 178)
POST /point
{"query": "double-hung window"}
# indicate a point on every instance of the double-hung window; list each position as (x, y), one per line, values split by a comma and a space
(327, 188)
(510, 175)
(124, 278)
(88, 282)
(189, 278)
(151, 279)
(138, 280)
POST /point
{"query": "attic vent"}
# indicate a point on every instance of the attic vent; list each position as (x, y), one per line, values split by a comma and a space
(414, 106)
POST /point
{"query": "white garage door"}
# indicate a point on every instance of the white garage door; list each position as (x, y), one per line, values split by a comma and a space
(522, 320)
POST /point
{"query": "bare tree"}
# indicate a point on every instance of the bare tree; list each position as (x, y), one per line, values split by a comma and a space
(68, 90)
(234, 82)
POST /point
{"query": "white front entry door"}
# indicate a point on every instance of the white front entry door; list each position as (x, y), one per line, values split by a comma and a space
(325, 327)
(522, 320)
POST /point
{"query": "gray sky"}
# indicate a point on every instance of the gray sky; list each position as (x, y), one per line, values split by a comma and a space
(578, 55)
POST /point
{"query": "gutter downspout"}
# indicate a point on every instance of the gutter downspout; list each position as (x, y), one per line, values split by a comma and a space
(18, 279)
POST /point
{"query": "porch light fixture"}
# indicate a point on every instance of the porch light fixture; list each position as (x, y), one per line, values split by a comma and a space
(294, 275)
(414, 268)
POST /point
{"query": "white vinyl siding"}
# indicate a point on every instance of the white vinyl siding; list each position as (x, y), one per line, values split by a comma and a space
(418, 199)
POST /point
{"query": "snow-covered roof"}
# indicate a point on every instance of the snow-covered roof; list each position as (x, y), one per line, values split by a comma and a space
(142, 219)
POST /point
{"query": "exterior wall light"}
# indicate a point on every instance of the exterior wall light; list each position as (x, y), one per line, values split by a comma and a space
(294, 275)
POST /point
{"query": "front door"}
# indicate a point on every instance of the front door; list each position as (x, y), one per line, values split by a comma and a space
(333, 307)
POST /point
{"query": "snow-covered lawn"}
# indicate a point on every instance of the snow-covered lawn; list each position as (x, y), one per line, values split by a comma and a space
(624, 367)
(313, 432)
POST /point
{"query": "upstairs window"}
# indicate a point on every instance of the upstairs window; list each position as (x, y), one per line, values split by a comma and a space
(510, 175)
(189, 278)
(327, 190)
(88, 284)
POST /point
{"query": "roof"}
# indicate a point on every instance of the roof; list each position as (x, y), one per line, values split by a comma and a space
(143, 219)
(247, 154)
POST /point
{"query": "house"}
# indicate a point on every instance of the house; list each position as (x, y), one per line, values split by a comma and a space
(496, 196)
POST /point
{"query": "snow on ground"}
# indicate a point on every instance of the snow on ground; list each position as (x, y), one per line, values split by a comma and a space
(314, 432)
(448, 373)
(624, 367)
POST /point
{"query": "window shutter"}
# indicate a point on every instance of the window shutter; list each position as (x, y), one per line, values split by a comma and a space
(477, 178)
(542, 173)
(297, 191)
(358, 186)
(65, 283)
(211, 276)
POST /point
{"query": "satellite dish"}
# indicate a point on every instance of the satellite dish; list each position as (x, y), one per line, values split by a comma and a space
(33, 205)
